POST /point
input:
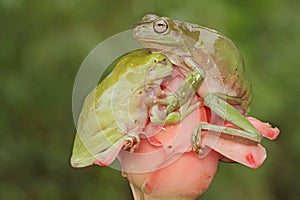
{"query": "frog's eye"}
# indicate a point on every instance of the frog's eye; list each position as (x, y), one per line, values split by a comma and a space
(160, 26)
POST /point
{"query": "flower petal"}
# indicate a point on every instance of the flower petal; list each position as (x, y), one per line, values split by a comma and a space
(264, 128)
(251, 155)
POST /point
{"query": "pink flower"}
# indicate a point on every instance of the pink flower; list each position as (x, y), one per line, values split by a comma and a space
(189, 175)
(185, 177)
(165, 167)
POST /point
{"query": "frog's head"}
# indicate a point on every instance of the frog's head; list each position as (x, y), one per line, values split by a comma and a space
(163, 34)
(159, 67)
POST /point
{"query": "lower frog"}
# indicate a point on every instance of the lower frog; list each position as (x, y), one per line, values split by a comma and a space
(115, 112)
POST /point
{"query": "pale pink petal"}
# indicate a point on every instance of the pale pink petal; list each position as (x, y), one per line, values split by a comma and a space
(251, 155)
(264, 128)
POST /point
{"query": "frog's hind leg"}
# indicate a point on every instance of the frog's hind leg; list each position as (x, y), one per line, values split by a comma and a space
(230, 114)
(196, 139)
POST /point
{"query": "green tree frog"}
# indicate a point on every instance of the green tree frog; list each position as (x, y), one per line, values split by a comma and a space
(114, 113)
(225, 88)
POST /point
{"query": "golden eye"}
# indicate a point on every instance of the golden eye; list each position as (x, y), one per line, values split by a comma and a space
(160, 26)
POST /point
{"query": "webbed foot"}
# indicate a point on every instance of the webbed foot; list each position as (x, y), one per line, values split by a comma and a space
(132, 141)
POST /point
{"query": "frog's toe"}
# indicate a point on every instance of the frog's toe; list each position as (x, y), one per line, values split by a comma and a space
(173, 118)
(196, 141)
(132, 141)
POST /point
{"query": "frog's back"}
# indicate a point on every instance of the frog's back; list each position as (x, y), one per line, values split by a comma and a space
(222, 61)
(120, 68)
(113, 93)
(103, 119)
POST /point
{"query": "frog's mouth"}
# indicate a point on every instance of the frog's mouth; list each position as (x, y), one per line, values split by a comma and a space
(149, 41)
(163, 48)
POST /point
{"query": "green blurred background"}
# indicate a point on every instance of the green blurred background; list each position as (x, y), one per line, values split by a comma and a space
(42, 44)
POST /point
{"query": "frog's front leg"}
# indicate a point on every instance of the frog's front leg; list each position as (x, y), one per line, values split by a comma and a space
(229, 113)
(181, 98)
(161, 117)
(191, 64)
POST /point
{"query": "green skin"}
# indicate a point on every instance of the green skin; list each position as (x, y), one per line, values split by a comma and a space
(101, 126)
(224, 85)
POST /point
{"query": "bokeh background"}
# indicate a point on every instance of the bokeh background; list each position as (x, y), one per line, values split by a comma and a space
(42, 44)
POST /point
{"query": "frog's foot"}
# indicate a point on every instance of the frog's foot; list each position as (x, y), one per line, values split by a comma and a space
(157, 116)
(161, 110)
(196, 140)
(132, 141)
(184, 110)
(162, 117)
